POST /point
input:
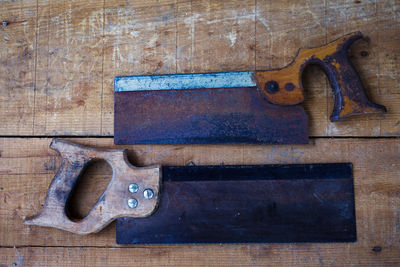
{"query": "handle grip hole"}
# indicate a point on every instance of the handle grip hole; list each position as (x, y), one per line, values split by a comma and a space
(88, 189)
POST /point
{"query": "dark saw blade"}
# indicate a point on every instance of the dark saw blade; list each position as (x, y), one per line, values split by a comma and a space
(206, 116)
(249, 204)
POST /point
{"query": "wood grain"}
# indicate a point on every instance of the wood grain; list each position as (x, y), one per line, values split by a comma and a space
(57, 64)
(17, 67)
(69, 68)
(203, 255)
(28, 166)
(75, 49)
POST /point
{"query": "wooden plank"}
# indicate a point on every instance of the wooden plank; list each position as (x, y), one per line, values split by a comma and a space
(69, 68)
(222, 35)
(17, 66)
(28, 166)
(389, 64)
(82, 46)
(202, 255)
(62, 84)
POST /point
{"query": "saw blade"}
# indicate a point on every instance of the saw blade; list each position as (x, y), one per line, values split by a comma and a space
(246, 204)
(206, 116)
(202, 108)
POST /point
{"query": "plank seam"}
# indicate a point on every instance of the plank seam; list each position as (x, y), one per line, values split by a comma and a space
(255, 34)
(105, 247)
(327, 85)
(192, 35)
(102, 71)
(48, 66)
(176, 36)
(111, 136)
(378, 57)
(35, 67)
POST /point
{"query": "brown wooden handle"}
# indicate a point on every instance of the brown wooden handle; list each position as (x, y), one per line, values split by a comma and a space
(284, 87)
(116, 201)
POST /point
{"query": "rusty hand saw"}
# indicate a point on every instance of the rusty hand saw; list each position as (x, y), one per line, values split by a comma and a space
(249, 107)
(206, 204)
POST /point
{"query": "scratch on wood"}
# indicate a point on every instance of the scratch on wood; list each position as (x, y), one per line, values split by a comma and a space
(232, 37)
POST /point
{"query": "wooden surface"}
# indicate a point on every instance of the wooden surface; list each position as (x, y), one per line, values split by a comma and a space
(58, 60)
(28, 166)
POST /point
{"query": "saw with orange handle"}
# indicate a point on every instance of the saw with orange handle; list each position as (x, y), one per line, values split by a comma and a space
(249, 107)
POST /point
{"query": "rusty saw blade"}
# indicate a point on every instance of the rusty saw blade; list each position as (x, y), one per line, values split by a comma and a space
(246, 204)
(250, 107)
(205, 116)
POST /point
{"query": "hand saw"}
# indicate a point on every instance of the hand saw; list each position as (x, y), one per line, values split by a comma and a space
(249, 107)
(206, 204)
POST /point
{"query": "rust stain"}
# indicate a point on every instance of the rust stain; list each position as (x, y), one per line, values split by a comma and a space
(206, 116)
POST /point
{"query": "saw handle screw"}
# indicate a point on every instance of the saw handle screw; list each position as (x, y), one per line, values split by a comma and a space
(272, 87)
(133, 188)
(148, 193)
(289, 87)
(132, 203)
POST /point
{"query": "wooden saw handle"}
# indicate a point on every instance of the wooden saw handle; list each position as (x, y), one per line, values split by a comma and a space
(112, 204)
(284, 87)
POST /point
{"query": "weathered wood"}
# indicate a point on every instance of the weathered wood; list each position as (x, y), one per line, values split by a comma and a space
(112, 204)
(389, 64)
(28, 165)
(17, 67)
(204, 255)
(69, 67)
(81, 46)
(98, 40)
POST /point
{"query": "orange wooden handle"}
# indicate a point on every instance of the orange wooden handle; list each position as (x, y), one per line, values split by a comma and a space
(284, 87)
(114, 202)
